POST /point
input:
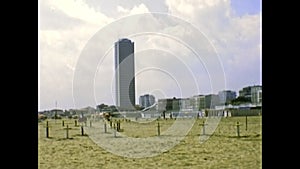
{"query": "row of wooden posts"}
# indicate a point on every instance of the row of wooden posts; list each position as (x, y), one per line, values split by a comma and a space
(117, 127)
(67, 128)
(237, 128)
(158, 127)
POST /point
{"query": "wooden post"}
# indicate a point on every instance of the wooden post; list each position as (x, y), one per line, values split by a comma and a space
(238, 129)
(75, 123)
(47, 130)
(67, 132)
(105, 129)
(158, 129)
(110, 123)
(82, 131)
(246, 123)
(119, 125)
(63, 123)
(203, 127)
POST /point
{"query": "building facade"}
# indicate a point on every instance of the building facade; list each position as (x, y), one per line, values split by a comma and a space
(253, 93)
(146, 100)
(211, 101)
(245, 92)
(198, 102)
(168, 104)
(124, 74)
(186, 104)
(256, 96)
(226, 96)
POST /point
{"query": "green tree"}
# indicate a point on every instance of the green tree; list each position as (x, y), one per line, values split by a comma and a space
(240, 100)
(138, 107)
(113, 108)
(102, 106)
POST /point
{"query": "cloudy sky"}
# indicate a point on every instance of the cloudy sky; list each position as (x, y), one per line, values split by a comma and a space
(182, 48)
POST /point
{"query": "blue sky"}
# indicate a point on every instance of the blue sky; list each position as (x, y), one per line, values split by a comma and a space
(66, 27)
(242, 7)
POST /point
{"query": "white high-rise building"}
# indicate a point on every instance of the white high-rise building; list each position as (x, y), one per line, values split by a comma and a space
(124, 74)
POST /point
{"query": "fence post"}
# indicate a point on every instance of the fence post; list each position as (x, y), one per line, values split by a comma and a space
(238, 129)
(158, 129)
(75, 123)
(63, 123)
(47, 130)
(203, 127)
(119, 125)
(246, 123)
(82, 131)
(67, 132)
(105, 129)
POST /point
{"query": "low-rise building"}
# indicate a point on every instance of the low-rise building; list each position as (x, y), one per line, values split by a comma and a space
(146, 100)
(226, 96)
(211, 101)
(254, 93)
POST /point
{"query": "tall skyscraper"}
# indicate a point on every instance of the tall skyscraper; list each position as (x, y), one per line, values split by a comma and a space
(124, 74)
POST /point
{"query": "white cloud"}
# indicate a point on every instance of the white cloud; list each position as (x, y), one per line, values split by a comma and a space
(123, 10)
(61, 44)
(188, 8)
(236, 38)
(80, 9)
(137, 9)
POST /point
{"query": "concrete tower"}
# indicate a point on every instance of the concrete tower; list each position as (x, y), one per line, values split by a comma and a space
(124, 74)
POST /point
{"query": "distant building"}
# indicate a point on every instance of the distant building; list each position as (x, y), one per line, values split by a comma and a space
(195, 103)
(124, 74)
(253, 93)
(146, 100)
(245, 92)
(211, 101)
(186, 104)
(168, 104)
(198, 102)
(162, 104)
(77, 111)
(226, 96)
(256, 96)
